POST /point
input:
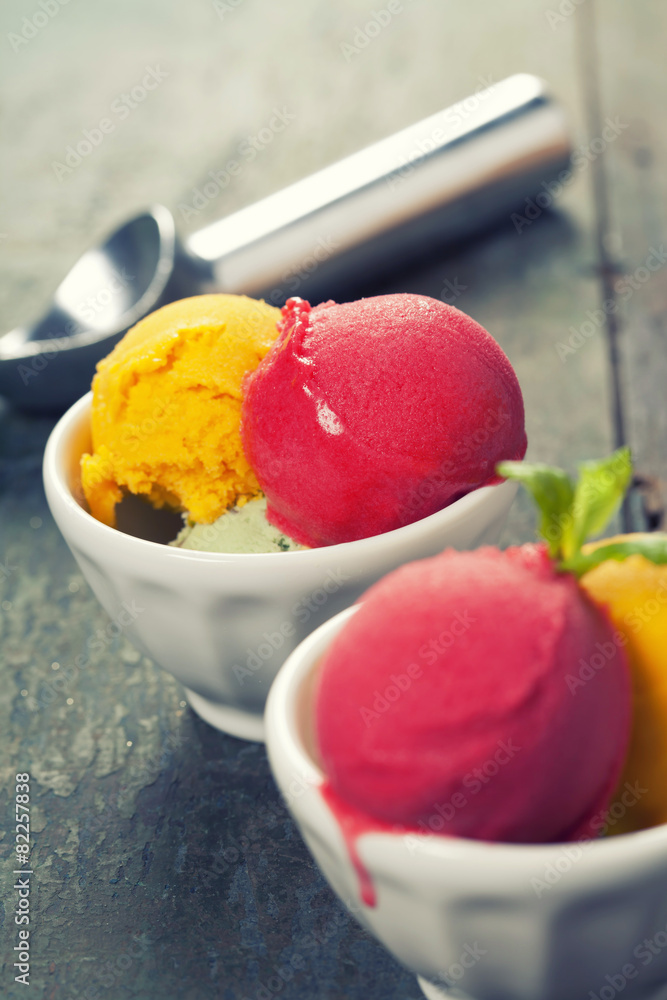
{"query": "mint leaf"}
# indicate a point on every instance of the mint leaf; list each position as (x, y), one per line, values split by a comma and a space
(597, 497)
(652, 547)
(571, 513)
(553, 491)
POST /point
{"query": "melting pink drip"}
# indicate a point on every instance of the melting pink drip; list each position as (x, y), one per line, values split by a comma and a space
(353, 824)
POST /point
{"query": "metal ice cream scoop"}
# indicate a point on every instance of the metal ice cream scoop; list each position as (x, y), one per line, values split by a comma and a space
(433, 182)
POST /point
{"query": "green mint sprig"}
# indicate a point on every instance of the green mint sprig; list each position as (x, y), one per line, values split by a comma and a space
(571, 512)
(652, 547)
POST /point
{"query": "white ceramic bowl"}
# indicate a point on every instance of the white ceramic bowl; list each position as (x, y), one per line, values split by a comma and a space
(480, 920)
(223, 624)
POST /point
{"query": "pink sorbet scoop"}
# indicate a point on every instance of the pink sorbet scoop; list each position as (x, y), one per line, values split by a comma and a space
(370, 415)
(446, 698)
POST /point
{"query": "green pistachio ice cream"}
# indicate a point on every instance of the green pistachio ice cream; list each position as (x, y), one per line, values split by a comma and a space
(240, 529)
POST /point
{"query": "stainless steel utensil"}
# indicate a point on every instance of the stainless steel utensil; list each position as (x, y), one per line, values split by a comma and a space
(434, 182)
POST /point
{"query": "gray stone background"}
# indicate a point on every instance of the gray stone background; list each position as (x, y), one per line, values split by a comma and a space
(165, 864)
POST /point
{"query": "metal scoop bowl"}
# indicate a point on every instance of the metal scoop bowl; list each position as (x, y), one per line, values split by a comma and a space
(47, 364)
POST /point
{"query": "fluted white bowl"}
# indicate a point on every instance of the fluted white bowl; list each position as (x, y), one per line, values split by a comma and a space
(223, 624)
(474, 919)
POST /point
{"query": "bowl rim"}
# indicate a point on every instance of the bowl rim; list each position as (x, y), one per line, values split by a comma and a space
(603, 855)
(55, 477)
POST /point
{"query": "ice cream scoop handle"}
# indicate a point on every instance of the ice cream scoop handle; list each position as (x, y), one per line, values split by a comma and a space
(441, 179)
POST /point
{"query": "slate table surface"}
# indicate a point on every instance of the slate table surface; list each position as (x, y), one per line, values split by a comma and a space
(165, 865)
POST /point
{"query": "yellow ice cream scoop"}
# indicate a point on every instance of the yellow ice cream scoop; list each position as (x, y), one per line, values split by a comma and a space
(634, 593)
(167, 408)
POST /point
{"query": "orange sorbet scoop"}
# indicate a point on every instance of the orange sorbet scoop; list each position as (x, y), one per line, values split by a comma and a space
(167, 408)
(634, 594)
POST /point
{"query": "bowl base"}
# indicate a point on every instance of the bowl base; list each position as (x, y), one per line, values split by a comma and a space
(438, 993)
(243, 725)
